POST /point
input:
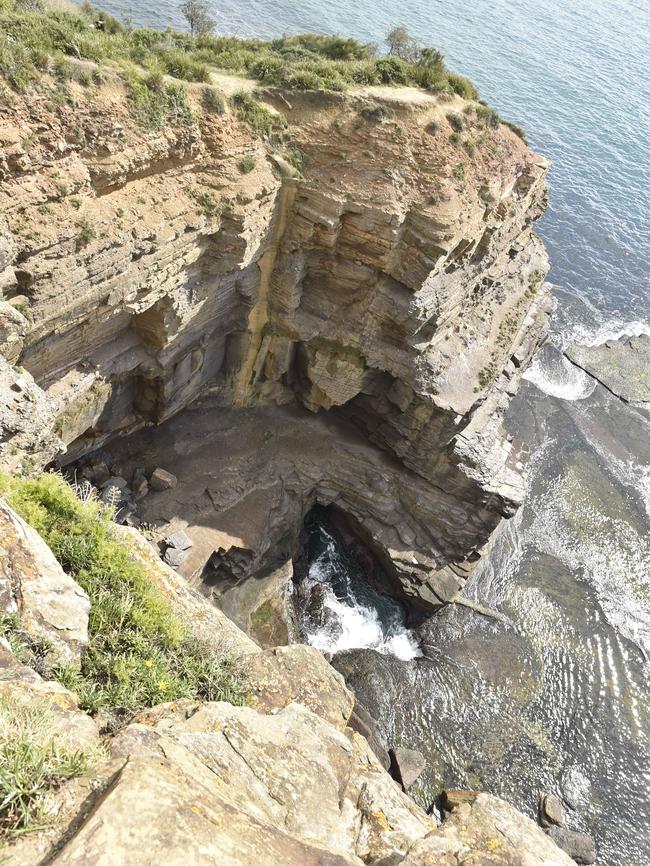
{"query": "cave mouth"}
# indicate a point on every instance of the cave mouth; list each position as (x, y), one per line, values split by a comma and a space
(337, 607)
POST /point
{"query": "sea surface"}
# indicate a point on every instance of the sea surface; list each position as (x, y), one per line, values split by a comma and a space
(558, 698)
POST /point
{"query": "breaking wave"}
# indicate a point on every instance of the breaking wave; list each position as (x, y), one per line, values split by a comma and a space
(351, 615)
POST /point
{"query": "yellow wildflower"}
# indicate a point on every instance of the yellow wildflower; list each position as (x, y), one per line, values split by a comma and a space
(148, 663)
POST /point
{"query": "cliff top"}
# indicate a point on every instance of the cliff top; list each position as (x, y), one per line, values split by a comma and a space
(36, 36)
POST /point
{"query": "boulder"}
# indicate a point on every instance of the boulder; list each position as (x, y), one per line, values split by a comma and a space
(101, 473)
(551, 810)
(52, 607)
(487, 832)
(579, 846)
(179, 540)
(298, 673)
(13, 327)
(452, 799)
(175, 558)
(162, 480)
(407, 765)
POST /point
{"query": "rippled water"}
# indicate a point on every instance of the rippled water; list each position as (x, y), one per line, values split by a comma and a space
(559, 699)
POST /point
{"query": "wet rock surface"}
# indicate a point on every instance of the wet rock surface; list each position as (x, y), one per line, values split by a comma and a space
(578, 846)
(622, 366)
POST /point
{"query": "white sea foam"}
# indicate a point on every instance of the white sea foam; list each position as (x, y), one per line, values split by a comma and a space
(558, 377)
(359, 627)
(596, 334)
(350, 624)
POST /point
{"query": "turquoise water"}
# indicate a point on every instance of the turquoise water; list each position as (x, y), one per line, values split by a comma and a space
(560, 699)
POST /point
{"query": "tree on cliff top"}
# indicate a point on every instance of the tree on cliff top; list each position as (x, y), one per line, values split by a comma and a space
(401, 44)
(197, 14)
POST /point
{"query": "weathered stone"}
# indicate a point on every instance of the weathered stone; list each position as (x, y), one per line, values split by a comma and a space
(116, 481)
(52, 607)
(408, 765)
(280, 676)
(209, 624)
(551, 810)
(452, 799)
(179, 540)
(13, 327)
(101, 473)
(579, 846)
(162, 480)
(489, 831)
(175, 558)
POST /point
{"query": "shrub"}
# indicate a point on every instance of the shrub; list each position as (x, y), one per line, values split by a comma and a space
(209, 206)
(247, 164)
(260, 119)
(459, 171)
(139, 652)
(433, 127)
(456, 121)
(377, 113)
(213, 101)
(462, 86)
(85, 234)
(517, 130)
(155, 104)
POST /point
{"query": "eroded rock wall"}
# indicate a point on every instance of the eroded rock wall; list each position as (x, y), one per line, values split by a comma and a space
(394, 281)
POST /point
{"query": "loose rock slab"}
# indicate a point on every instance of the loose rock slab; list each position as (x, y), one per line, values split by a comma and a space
(409, 765)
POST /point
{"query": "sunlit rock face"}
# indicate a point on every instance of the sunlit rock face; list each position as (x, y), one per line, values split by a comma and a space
(392, 286)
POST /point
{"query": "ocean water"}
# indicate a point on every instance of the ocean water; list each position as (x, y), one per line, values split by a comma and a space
(558, 699)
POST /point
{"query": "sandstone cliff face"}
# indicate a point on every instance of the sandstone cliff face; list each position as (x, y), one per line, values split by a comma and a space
(394, 283)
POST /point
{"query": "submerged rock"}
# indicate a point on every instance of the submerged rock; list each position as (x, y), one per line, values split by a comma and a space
(551, 810)
(579, 846)
(622, 366)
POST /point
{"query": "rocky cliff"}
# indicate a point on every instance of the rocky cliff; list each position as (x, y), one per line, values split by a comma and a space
(283, 779)
(346, 306)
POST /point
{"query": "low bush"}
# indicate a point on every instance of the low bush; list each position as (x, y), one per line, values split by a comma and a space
(456, 121)
(260, 119)
(140, 653)
(247, 164)
(213, 101)
(377, 113)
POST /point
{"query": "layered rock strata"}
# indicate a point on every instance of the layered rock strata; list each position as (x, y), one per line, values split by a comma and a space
(394, 283)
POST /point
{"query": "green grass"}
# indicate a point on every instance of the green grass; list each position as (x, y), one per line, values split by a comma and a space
(247, 164)
(41, 39)
(261, 121)
(140, 653)
(33, 764)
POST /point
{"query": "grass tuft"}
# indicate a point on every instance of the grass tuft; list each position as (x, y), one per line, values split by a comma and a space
(33, 765)
(140, 653)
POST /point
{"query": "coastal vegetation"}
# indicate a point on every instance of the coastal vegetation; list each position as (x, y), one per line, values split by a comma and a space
(140, 653)
(33, 763)
(36, 39)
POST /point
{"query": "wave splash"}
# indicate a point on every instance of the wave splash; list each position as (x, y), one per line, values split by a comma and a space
(351, 614)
